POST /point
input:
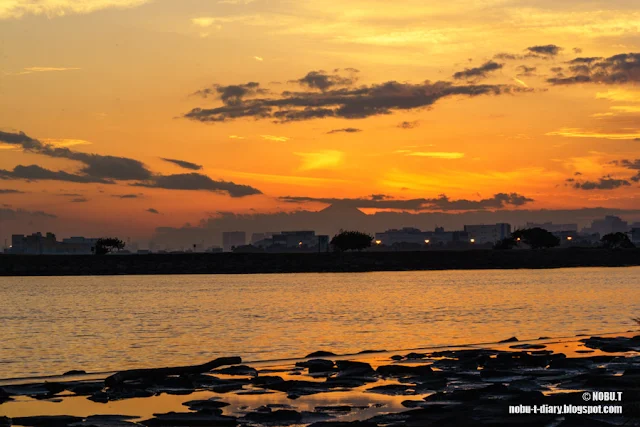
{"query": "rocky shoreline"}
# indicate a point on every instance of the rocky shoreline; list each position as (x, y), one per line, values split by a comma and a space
(463, 386)
(237, 263)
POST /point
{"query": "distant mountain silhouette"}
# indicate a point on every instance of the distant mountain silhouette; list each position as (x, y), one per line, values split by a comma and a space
(345, 217)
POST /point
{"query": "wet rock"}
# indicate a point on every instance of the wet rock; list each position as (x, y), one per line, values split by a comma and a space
(190, 419)
(393, 389)
(5, 421)
(237, 370)
(334, 408)
(413, 403)
(279, 417)
(107, 421)
(344, 424)
(403, 370)
(99, 397)
(317, 365)
(227, 387)
(351, 368)
(370, 351)
(413, 356)
(253, 392)
(613, 345)
(205, 405)
(397, 357)
(46, 421)
(512, 339)
(75, 372)
(320, 353)
(528, 346)
(86, 389)
(435, 382)
(4, 396)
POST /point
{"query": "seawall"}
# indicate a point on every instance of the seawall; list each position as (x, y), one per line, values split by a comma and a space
(236, 263)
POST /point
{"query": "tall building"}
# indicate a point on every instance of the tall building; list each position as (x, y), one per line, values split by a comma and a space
(38, 244)
(610, 224)
(233, 239)
(403, 235)
(288, 241)
(415, 236)
(488, 233)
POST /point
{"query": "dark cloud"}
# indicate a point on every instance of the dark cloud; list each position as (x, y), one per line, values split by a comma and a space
(633, 165)
(10, 191)
(11, 214)
(79, 200)
(38, 173)
(345, 130)
(108, 169)
(232, 94)
(196, 181)
(547, 50)
(98, 168)
(348, 103)
(542, 52)
(508, 56)
(409, 125)
(183, 164)
(127, 196)
(324, 81)
(617, 69)
(526, 71)
(152, 210)
(604, 183)
(478, 72)
(441, 203)
(588, 60)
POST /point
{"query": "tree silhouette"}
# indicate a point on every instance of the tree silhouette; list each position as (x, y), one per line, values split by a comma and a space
(351, 241)
(506, 243)
(616, 241)
(536, 238)
(107, 245)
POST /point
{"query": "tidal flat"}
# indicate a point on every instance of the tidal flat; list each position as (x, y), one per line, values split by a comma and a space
(446, 386)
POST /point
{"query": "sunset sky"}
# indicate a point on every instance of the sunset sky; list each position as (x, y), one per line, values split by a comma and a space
(127, 115)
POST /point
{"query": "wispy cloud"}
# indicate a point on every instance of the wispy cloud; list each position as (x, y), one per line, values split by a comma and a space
(32, 70)
(436, 154)
(52, 8)
(581, 133)
(275, 138)
(65, 142)
(325, 159)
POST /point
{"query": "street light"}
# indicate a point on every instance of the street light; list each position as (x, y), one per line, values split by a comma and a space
(427, 241)
(378, 242)
(569, 238)
(472, 240)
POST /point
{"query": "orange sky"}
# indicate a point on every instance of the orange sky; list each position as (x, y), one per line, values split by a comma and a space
(117, 77)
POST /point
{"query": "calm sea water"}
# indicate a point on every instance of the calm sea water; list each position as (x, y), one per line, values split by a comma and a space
(49, 325)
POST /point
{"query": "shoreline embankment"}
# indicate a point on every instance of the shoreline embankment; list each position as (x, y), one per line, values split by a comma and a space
(333, 262)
